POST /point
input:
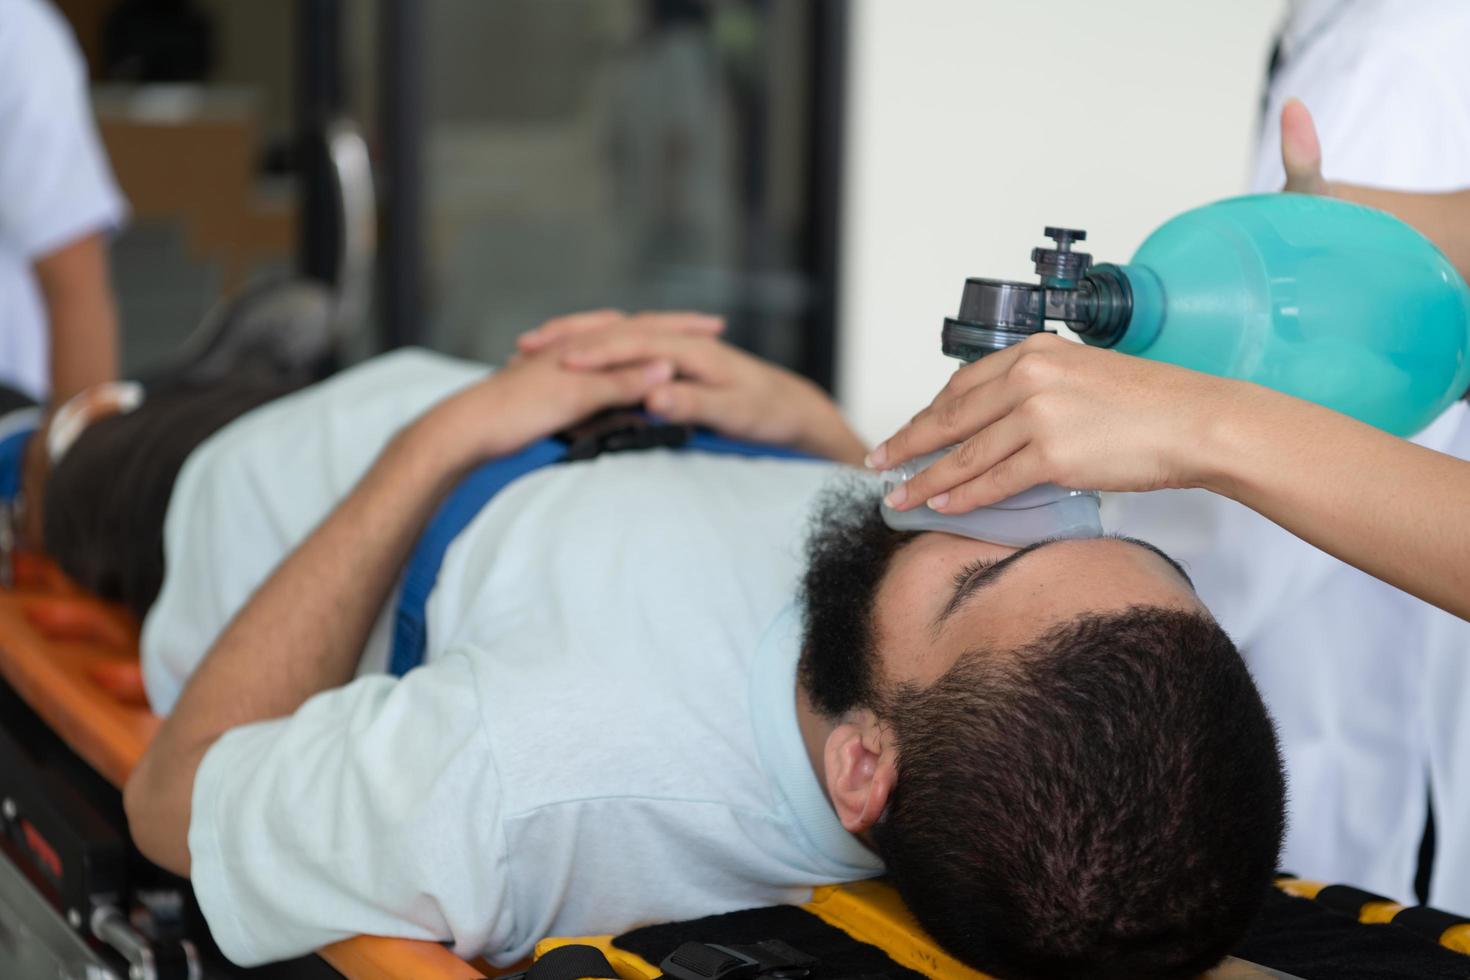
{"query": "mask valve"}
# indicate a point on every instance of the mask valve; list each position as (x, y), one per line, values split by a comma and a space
(1094, 302)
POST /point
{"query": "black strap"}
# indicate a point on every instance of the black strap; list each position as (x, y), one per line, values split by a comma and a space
(1300, 937)
(706, 961)
(1427, 922)
(571, 963)
(710, 961)
(618, 430)
(1347, 899)
(808, 946)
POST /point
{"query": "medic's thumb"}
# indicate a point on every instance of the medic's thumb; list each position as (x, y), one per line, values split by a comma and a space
(1301, 151)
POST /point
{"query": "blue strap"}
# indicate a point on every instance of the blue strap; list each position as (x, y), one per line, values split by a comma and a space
(710, 442)
(12, 454)
(410, 625)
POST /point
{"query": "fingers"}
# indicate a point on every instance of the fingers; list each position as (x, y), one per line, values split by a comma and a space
(564, 328)
(974, 398)
(695, 404)
(1301, 151)
(679, 321)
(1018, 472)
(693, 356)
(971, 461)
(622, 386)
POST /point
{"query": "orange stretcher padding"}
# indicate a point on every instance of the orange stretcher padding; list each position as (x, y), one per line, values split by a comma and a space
(74, 660)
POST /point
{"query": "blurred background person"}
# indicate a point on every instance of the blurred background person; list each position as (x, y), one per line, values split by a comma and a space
(58, 205)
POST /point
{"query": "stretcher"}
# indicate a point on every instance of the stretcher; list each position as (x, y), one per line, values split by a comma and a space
(72, 660)
(69, 661)
(870, 912)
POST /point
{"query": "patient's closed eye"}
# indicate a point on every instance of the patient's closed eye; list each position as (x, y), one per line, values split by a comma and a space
(972, 569)
(966, 580)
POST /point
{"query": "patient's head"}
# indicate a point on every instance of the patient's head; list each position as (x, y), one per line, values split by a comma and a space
(1058, 753)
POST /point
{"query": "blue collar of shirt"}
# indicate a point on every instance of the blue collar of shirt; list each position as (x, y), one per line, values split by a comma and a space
(784, 757)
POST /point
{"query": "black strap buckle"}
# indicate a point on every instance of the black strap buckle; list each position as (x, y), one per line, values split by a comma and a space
(575, 961)
(708, 961)
(618, 430)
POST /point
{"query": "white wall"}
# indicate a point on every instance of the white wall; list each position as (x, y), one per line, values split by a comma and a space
(973, 124)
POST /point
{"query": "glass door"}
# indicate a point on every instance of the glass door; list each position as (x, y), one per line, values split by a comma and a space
(541, 157)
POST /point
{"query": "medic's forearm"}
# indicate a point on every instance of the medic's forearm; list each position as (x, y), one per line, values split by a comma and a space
(301, 633)
(1375, 501)
(82, 316)
(1442, 218)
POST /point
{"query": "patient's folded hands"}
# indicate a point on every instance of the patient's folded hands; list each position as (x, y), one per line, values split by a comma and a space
(719, 386)
(525, 401)
(560, 330)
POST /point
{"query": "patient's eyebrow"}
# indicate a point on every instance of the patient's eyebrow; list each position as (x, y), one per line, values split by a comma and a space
(981, 578)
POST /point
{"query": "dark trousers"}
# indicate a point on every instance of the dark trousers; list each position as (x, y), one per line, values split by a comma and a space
(105, 502)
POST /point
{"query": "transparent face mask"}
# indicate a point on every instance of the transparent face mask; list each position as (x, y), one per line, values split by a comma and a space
(1042, 512)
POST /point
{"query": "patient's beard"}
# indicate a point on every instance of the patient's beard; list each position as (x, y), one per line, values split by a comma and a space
(848, 552)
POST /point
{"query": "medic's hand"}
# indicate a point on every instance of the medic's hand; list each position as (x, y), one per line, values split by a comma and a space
(562, 329)
(1301, 151)
(722, 387)
(1052, 411)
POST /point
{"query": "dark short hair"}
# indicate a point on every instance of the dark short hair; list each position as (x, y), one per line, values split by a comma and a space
(1106, 802)
(105, 502)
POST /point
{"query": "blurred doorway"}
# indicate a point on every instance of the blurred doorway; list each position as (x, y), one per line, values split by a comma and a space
(627, 153)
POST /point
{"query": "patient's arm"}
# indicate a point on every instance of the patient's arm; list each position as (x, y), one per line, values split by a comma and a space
(725, 388)
(303, 630)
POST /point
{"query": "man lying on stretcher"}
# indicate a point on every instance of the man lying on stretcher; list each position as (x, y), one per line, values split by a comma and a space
(640, 700)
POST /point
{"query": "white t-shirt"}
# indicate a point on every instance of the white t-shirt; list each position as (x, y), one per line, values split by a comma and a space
(604, 734)
(55, 184)
(1366, 683)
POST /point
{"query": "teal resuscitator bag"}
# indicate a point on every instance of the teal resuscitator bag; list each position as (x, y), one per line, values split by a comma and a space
(1328, 301)
(1332, 302)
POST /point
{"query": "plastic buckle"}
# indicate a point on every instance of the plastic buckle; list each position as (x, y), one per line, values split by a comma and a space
(772, 959)
(706, 961)
(619, 430)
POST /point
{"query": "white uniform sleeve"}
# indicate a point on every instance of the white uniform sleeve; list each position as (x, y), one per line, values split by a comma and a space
(374, 809)
(55, 183)
(1411, 127)
(1395, 115)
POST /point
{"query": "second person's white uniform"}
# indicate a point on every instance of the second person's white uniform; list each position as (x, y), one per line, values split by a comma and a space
(55, 183)
(1365, 682)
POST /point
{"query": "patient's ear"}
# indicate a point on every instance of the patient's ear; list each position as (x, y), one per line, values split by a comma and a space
(861, 768)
